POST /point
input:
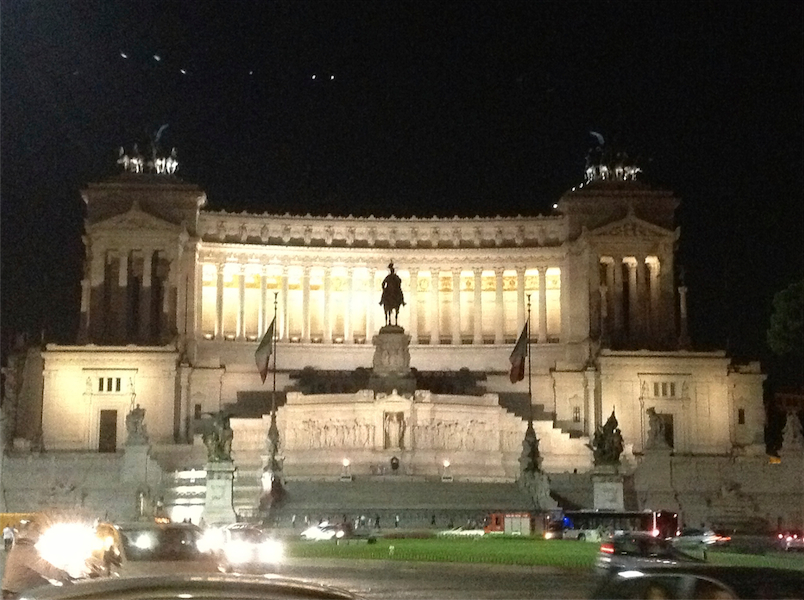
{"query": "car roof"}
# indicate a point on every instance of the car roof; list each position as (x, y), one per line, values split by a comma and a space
(216, 585)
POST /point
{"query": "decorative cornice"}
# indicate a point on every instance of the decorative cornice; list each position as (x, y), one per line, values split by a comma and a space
(390, 233)
(422, 258)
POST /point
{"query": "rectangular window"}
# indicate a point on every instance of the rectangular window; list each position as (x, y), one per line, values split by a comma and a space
(655, 388)
(741, 416)
(117, 384)
(197, 412)
(664, 388)
(100, 384)
(108, 384)
(673, 389)
(576, 414)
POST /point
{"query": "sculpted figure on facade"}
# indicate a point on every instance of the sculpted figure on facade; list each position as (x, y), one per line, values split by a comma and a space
(656, 431)
(394, 430)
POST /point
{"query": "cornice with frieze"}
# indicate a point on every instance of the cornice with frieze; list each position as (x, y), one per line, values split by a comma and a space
(404, 259)
(371, 232)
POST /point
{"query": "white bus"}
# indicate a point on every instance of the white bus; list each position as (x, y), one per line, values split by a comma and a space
(594, 525)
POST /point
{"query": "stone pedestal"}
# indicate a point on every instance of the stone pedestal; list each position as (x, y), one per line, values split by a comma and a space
(607, 485)
(391, 365)
(219, 507)
(135, 464)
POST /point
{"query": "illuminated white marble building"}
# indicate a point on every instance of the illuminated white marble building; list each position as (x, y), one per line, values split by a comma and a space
(176, 297)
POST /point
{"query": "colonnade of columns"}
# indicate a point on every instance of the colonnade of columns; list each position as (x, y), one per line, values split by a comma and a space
(128, 296)
(631, 297)
(356, 315)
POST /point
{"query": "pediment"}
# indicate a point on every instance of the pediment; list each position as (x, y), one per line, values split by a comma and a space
(135, 219)
(631, 227)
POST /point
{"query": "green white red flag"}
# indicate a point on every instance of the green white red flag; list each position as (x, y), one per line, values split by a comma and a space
(518, 356)
(264, 350)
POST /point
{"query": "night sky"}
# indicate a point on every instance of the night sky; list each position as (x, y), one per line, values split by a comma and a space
(411, 108)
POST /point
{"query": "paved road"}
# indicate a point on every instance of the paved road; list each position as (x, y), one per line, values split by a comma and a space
(387, 579)
(444, 581)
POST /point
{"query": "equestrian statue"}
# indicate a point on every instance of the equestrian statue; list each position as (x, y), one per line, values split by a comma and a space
(392, 297)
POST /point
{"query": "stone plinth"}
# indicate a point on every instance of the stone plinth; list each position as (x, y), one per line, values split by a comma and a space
(391, 365)
(218, 507)
(135, 464)
(607, 482)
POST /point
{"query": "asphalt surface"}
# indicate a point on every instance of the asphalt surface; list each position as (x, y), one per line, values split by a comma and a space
(386, 579)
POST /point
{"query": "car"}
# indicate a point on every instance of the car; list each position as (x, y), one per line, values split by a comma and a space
(243, 548)
(326, 531)
(628, 551)
(693, 536)
(154, 547)
(702, 581)
(462, 532)
(791, 541)
(198, 586)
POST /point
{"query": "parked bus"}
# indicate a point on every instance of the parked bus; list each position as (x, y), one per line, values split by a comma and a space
(592, 525)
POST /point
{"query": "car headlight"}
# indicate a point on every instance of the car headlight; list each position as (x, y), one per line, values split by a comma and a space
(68, 546)
(238, 552)
(271, 551)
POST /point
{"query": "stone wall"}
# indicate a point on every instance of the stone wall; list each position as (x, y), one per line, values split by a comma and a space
(739, 492)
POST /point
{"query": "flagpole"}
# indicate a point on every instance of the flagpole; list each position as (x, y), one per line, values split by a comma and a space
(273, 393)
(273, 430)
(530, 388)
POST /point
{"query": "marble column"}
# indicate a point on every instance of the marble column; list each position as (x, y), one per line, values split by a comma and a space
(617, 273)
(477, 339)
(633, 301)
(219, 303)
(372, 304)
(121, 298)
(520, 298)
(305, 337)
(348, 333)
(241, 303)
(543, 305)
(284, 330)
(435, 329)
(198, 300)
(145, 299)
(684, 335)
(264, 320)
(643, 300)
(456, 307)
(655, 295)
(327, 305)
(499, 308)
(413, 306)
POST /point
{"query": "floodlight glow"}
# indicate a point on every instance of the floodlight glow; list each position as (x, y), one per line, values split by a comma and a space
(446, 463)
(346, 462)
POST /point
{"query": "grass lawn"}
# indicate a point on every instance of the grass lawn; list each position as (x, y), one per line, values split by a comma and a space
(498, 550)
(503, 550)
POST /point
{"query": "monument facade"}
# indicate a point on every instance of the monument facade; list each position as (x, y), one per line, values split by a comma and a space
(175, 298)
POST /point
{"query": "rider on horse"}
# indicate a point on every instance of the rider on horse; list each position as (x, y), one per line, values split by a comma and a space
(392, 297)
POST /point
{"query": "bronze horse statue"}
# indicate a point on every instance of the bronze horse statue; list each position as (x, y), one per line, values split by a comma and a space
(392, 297)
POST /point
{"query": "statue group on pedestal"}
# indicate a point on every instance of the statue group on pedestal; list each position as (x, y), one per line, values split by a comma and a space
(607, 444)
(135, 426)
(218, 439)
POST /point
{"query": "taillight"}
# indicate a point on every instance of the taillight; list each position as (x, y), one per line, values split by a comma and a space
(607, 548)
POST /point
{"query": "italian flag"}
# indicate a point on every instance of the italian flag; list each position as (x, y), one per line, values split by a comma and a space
(263, 353)
(517, 358)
